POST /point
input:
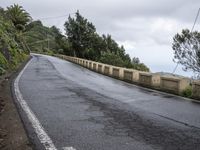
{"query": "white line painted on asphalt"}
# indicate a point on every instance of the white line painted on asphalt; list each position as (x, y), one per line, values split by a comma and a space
(42, 135)
(68, 148)
(129, 100)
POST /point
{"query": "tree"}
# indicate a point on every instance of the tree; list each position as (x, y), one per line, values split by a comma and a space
(10, 52)
(186, 48)
(18, 16)
(135, 60)
(33, 24)
(62, 44)
(86, 43)
(97, 48)
(112, 59)
(111, 45)
(80, 33)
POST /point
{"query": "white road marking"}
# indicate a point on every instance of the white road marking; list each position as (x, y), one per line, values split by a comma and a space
(129, 100)
(39, 130)
(68, 148)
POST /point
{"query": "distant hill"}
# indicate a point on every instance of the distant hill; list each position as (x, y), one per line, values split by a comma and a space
(39, 38)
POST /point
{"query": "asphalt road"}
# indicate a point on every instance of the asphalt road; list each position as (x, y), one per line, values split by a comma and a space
(88, 111)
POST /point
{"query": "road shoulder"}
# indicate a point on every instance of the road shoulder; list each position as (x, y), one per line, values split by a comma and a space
(12, 132)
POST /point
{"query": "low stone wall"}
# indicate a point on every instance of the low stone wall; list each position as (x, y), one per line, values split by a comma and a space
(196, 90)
(79, 61)
(86, 64)
(100, 68)
(174, 84)
(145, 79)
(90, 65)
(156, 80)
(152, 80)
(83, 64)
(115, 72)
(94, 66)
(106, 70)
(170, 84)
(128, 75)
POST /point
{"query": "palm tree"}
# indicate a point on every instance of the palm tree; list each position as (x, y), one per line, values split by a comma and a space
(18, 16)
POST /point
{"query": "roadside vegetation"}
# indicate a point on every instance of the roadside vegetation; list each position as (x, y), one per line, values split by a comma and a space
(187, 92)
(12, 46)
(86, 43)
(20, 35)
(186, 46)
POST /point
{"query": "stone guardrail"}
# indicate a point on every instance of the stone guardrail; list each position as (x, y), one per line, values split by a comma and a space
(169, 84)
(174, 85)
(196, 89)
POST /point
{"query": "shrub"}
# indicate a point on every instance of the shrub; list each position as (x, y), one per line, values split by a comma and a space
(3, 61)
(2, 71)
(187, 92)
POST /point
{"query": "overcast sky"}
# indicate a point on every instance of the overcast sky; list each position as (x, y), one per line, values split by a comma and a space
(145, 27)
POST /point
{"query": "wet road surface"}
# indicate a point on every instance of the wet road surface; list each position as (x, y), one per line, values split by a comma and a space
(89, 111)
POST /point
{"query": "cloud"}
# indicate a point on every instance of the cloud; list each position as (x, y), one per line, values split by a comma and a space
(145, 28)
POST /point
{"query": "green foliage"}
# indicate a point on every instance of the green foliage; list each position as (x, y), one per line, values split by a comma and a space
(62, 44)
(135, 60)
(3, 62)
(112, 59)
(18, 37)
(187, 92)
(41, 39)
(80, 33)
(2, 71)
(138, 65)
(116, 60)
(37, 36)
(10, 53)
(186, 48)
(48, 52)
(86, 43)
(18, 16)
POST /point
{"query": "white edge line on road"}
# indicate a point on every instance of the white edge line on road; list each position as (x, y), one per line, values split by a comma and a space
(41, 134)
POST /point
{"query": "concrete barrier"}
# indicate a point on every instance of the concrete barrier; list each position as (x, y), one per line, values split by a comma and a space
(174, 84)
(170, 84)
(136, 76)
(121, 73)
(100, 68)
(94, 66)
(128, 75)
(90, 65)
(145, 79)
(106, 70)
(196, 89)
(148, 79)
(81, 61)
(131, 75)
(156, 80)
(76, 60)
(152, 80)
(115, 72)
(86, 64)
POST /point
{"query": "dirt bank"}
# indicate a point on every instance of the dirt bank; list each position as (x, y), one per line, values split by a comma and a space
(12, 133)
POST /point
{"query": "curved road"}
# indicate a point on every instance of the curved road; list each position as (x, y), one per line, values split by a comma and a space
(88, 111)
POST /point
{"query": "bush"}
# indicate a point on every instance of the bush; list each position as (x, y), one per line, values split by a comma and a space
(2, 71)
(3, 62)
(187, 92)
(112, 59)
